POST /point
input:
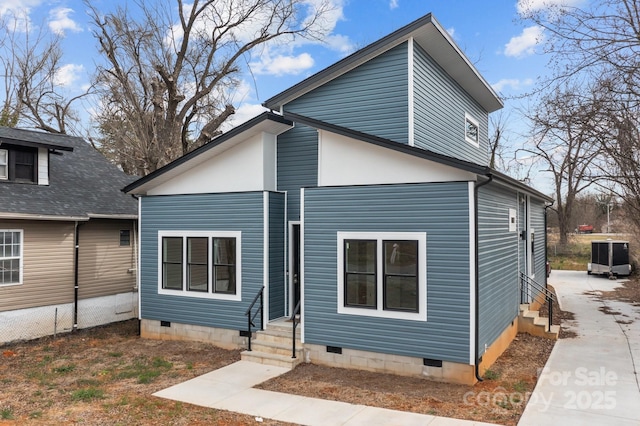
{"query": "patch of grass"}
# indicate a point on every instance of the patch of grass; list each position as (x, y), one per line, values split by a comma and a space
(491, 375)
(148, 376)
(87, 394)
(115, 354)
(6, 413)
(145, 371)
(64, 369)
(87, 382)
(189, 365)
(159, 362)
(520, 386)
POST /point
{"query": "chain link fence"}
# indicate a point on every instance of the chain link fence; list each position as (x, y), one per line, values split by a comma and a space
(34, 323)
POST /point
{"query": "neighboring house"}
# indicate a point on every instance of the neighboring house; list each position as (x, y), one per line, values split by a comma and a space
(367, 198)
(67, 237)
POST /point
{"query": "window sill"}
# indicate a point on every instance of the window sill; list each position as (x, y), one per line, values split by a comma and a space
(200, 295)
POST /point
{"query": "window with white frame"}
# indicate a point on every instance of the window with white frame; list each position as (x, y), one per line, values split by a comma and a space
(471, 130)
(4, 164)
(10, 257)
(200, 264)
(382, 274)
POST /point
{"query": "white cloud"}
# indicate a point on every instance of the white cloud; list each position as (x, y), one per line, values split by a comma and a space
(525, 43)
(244, 112)
(340, 43)
(452, 32)
(282, 65)
(393, 4)
(513, 83)
(528, 6)
(16, 13)
(59, 21)
(67, 75)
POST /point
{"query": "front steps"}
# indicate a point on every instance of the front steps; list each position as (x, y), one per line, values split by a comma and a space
(532, 323)
(273, 345)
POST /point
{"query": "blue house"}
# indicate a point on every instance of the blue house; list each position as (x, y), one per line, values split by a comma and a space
(362, 204)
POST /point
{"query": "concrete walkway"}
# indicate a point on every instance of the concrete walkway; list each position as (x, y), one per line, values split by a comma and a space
(591, 379)
(231, 388)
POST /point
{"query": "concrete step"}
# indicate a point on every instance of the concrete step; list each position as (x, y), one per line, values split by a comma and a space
(532, 323)
(277, 348)
(524, 307)
(276, 336)
(283, 326)
(271, 359)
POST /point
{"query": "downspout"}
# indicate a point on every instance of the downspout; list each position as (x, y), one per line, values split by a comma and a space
(75, 274)
(546, 239)
(477, 273)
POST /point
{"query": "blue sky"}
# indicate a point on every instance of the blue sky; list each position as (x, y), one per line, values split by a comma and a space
(504, 49)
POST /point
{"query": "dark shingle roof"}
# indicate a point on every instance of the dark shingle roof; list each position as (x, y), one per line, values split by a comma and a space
(81, 182)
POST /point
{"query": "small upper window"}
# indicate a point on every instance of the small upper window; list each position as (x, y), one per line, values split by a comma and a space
(471, 130)
(4, 164)
(125, 237)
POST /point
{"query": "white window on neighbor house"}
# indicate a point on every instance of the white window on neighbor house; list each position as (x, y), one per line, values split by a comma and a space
(4, 164)
(200, 264)
(471, 130)
(382, 274)
(10, 257)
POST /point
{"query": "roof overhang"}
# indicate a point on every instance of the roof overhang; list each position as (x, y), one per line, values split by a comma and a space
(266, 122)
(30, 216)
(113, 216)
(430, 35)
(34, 144)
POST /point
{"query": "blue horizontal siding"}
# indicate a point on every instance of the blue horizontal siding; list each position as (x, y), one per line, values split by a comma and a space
(297, 165)
(537, 223)
(497, 263)
(440, 210)
(203, 212)
(276, 255)
(439, 113)
(372, 98)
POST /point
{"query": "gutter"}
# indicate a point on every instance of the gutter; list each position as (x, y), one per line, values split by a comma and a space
(29, 216)
(477, 273)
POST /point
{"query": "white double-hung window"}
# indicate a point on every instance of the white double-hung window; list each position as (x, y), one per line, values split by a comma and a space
(382, 274)
(10, 257)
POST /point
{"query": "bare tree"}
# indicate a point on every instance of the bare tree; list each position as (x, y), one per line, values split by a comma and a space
(584, 43)
(563, 138)
(30, 62)
(167, 76)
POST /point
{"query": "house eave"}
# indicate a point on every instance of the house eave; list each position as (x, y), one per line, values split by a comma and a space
(266, 122)
(35, 216)
(429, 34)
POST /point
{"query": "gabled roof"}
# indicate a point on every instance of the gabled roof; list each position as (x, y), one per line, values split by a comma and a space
(82, 182)
(429, 34)
(265, 122)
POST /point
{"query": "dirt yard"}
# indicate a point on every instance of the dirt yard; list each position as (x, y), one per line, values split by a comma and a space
(107, 375)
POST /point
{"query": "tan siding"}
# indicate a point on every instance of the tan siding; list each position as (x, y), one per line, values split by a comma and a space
(48, 265)
(104, 265)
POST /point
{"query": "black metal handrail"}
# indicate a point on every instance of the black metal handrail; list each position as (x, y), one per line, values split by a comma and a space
(295, 321)
(251, 317)
(527, 284)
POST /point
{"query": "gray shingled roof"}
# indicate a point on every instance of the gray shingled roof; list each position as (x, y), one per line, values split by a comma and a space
(81, 182)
